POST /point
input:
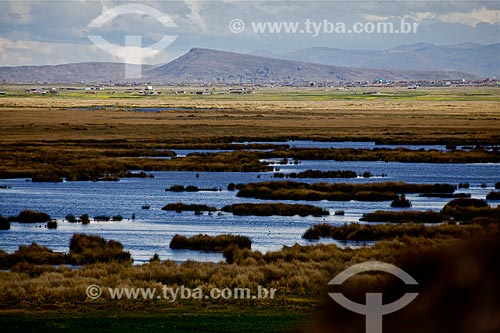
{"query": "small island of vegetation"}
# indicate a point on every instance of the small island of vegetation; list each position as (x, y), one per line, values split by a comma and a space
(289, 190)
(269, 209)
(30, 216)
(180, 207)
(210, 243)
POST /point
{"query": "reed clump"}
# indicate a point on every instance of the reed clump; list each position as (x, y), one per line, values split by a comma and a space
(386, 154)
(180, 207)
(52, 224)
(85, 249)
(319, 174)
(465, 203)
(493, 196)
(4, 223)
(468, 214)
(401, 202)
(289, 190)
(269, 209)
(189, 188)
(467, 209)
(370, 232)
(33, 254)
(30, 216)
(210, 243)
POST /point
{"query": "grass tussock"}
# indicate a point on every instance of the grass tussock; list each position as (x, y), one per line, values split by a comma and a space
(264, 209)
(33, 254)
(458, 210)
(468, 214)
(189, 188)
(289, 190)
(387, 155)
(52, 224)
(370, 232)
(493, 196)
(210, 243)
(83, 249)
(180, 207)
(465, 203)
(401, 202)
(4, 223)
(466, 210)
(30, 216)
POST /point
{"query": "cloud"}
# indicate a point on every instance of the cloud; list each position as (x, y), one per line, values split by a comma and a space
(376, 18)
(17, 12)
(421, 16)
(195, 15)
(26, 52)
(472, 18)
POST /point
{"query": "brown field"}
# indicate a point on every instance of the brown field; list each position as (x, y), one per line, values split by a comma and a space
(61, 136)
(467, 117)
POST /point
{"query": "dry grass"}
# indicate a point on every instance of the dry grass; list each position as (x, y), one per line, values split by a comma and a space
(37, 118)
(297, 271)
(56, 136)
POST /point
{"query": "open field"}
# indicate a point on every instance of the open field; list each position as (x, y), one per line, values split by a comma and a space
(466, 115)
(78, 136)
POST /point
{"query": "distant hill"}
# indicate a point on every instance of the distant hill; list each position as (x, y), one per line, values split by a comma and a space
(205, 65)
(212, 66)
(66, 73)
(481, 60)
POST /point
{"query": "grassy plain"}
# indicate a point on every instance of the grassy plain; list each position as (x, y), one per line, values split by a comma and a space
(66, 136)
(428, 115)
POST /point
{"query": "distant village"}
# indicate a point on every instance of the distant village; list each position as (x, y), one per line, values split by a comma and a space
(249, 88)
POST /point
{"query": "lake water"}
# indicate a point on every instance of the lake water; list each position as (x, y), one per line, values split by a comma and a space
(345, 144)
(153, 229)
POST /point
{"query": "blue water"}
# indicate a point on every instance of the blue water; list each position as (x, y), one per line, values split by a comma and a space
(345, 144)
(153, 229)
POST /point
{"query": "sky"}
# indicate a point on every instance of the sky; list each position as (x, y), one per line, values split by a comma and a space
(56, 32)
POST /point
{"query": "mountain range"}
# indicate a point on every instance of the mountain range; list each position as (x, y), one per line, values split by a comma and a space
(205, 65)
(66, 73)
(478, 59)
(314, 64)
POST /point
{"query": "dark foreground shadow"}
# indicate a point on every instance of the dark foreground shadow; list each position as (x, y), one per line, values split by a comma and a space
(459, 292)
